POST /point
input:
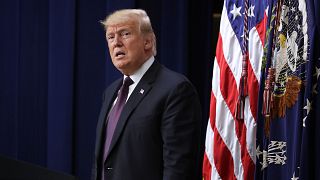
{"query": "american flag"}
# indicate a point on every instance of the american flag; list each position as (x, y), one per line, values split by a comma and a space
(230, 147)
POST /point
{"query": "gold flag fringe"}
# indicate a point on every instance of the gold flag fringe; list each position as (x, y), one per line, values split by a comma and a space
(268, 100)
(288, 99)
(279, 103)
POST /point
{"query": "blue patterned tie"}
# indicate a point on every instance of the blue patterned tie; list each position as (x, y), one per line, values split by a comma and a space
(115, 113)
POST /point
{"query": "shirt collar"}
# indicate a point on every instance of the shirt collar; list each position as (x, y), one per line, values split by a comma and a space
(136, 77)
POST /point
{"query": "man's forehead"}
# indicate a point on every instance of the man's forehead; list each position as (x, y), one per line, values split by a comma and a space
(121, 26)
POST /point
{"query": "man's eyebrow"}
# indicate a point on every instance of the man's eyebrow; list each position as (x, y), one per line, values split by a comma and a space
(110, 33)
(123, 29)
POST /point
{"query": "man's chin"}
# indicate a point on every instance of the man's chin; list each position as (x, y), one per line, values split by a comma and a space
(123, 69)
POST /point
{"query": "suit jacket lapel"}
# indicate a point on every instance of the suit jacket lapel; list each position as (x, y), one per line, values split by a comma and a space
(144, 85)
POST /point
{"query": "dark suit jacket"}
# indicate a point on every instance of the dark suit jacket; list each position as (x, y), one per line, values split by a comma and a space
(158, 133)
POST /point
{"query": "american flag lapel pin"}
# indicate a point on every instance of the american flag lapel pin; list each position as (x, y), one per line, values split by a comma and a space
(141, 91)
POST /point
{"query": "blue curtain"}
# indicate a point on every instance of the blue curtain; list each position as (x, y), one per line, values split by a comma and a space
(54, 66)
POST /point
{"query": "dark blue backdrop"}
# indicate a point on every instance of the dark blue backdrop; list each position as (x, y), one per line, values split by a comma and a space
(54, 67)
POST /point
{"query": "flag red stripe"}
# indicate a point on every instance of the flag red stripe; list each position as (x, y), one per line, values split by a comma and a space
(229, 92)
(253, 89)
(213, 102)
(222, 158)
(253, 82)
(206, 168)
(261, 28)
(228, 85)
(223, 165)
(247, 162)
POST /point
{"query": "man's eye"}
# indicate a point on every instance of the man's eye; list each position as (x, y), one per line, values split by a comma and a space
(125, 34)
(110, 38)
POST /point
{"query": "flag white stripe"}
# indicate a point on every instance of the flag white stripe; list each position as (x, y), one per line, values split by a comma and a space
(255, 52)
(251, 125)
(231, 47)
(209, 142)
(226, 126)
(209, 151)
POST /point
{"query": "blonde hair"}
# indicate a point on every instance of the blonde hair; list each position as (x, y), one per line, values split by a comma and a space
(139, 15)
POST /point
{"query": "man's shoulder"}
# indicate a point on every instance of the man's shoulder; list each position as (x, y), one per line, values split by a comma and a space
(114, 85)
(169, 80)
(169, 75)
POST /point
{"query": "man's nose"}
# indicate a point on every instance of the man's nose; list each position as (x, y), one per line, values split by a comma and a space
(117, 41)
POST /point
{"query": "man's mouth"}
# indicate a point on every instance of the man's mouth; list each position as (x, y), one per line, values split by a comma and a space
(119, 54)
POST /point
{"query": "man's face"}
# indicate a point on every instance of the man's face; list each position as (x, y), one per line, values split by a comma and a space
(126, 46)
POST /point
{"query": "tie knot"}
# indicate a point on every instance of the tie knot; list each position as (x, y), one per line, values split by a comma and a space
(127, 82)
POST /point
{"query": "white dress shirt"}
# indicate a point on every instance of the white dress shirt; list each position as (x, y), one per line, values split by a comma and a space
(136, 77)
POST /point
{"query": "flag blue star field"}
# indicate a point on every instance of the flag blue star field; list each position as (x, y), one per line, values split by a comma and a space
(288, 136)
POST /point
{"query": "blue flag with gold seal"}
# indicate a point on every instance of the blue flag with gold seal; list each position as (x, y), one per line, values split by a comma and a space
(288, 139)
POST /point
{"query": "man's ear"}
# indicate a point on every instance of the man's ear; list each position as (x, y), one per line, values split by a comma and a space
(148, 43)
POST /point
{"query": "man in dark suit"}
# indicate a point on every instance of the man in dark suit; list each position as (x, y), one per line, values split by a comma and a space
(149, 124)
